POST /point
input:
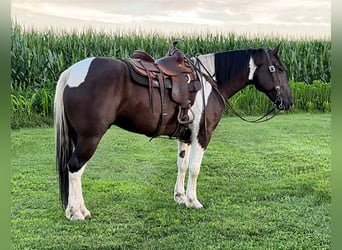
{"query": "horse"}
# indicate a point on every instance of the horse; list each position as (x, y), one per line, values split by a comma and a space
(98, 92)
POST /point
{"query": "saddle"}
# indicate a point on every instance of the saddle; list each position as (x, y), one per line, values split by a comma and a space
(174, 71)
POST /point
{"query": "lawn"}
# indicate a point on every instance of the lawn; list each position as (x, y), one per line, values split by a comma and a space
(264, 186)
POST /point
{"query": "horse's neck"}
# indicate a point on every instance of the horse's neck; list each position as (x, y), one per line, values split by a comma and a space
(234, 85)
(229, 88)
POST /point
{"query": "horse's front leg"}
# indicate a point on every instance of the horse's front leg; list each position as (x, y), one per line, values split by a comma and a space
(196, 156)
(183, 164)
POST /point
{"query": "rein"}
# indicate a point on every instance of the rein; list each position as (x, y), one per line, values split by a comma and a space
(210, 78)
(263, 118)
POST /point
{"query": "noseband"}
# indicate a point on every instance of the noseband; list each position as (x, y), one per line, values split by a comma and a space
(272, 70)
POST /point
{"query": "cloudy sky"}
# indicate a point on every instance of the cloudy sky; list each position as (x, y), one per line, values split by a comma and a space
(296, 17)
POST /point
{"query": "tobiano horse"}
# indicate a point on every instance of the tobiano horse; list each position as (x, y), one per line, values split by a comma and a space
(98, 92)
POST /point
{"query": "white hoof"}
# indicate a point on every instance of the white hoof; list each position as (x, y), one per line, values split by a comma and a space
(72, 215)
(85, 212)
(193, 204)
(77, 214)
(180, 198)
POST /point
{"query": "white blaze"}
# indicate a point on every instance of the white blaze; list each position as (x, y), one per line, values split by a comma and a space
(252, 68)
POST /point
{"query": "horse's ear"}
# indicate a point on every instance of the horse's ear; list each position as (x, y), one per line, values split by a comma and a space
(275, 51)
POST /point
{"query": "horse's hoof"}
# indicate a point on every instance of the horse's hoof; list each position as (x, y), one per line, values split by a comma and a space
(180, 198)
(85, 213)
(194, 204)
(73, 214)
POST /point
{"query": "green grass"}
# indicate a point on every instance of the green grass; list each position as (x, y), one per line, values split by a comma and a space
(264, 186)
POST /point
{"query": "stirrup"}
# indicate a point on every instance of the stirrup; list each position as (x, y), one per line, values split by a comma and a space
(185, 121)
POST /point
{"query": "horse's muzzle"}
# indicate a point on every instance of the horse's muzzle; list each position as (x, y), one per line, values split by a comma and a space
(283, 105)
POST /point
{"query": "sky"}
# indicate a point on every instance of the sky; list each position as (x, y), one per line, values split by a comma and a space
(281, 17)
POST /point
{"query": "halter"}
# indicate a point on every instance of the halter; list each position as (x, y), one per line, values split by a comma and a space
(210, 78)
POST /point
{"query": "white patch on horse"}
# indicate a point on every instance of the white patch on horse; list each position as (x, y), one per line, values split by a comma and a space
(197, 108)
(208, 61)
(193, 159)
(78, 72)
(252, 68)
(76, 209)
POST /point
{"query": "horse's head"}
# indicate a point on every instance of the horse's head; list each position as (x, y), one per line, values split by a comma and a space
(270, 76)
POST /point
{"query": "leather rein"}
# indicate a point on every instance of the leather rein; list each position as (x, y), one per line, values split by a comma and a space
(210, 78)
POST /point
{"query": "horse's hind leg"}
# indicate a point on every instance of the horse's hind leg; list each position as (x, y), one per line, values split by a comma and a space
(84, 149)
(76, 209)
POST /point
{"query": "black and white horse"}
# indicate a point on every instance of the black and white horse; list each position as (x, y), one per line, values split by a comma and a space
(95, 93)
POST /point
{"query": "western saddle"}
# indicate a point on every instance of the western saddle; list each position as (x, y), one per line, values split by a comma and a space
(175, 72)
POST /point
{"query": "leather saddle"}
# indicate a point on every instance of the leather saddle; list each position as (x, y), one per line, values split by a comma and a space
(173, 71)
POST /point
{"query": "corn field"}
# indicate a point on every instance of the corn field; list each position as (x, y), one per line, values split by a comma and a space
(38, 58)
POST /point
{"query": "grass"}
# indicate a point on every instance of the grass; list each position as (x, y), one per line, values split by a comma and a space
(264, 186)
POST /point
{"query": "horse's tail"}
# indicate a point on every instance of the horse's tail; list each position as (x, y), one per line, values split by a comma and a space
(64, 146)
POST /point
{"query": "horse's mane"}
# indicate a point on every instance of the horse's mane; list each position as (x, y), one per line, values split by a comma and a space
(230, 64)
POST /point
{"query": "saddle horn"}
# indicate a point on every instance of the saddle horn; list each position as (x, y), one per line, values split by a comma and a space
(174, 43)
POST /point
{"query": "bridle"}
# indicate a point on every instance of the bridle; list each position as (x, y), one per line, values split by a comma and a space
(275, 77)
(271, 113)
